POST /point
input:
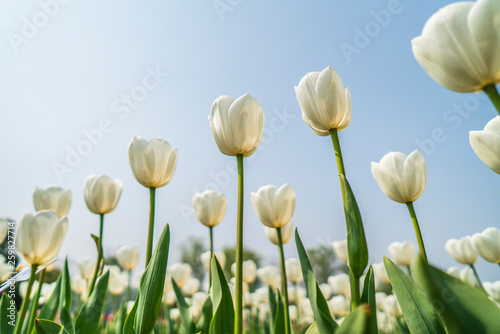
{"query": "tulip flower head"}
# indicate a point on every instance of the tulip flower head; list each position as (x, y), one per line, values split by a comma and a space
(237, 124)
(191, 287)
(268, 275)
(210, 207)
(293, 270)
(180, 272)
(462, 250)
(249, 271)
(340, 284)
(153, 162)
(381, 273)
(274, 206)
(206, 257)
(486, 144)
(402, 178)
(52, 198)
(40, 236)
(128, 257)
(286, 233)
(86, 267)
(487, 244)
(403, 253)
(102, 193)
(340, 250)
(493, 290)
(459, 45)
(324, 101)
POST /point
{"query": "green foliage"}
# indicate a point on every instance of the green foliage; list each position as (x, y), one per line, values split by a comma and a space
(248, 254)
(358, 322)
(88, 319)
(223, 316)
(8, 314)
(190, 254)
(279, 317)
(186, 317)
(49, 327)
(368, 297)
(65, 300)
(323, 263)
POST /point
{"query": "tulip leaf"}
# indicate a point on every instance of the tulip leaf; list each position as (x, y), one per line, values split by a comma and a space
(49, 309)
(87, 320)
(356, 240)
(463, 308)
(279, 318)
(151, 286)
(129, 325)
(44, 326)
(65, 300)
(121, 316)
(272, 308)
(185, 313)
(368, 297)
(417, 309)
(324, 320)
(223, 317)
(8, 314)
(206, 316)
(313, 329)
(358, 321)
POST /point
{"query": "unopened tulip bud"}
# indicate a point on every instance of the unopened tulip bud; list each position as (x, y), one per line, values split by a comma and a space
(403, 253)
(274, 206)
(487, 244)
(462, 250)
(210, 207)
(286, 233)
(293, 270)
(340, 250)
(102, 193)
(52, 198)
(180, 272)
(128, 257)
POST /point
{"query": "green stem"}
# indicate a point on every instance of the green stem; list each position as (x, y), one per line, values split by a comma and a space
(297, 304)
(284, 285)
(211, 228)
(100, 256)
(26, 300)
(129, 286)
(409, 272)
(417, 230)
(238, 323)
(149, 251)
(34, 309)
(355, 295)
(492, 92)
(477, 278)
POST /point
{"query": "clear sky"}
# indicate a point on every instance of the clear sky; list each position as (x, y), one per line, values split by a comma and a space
(153, 69)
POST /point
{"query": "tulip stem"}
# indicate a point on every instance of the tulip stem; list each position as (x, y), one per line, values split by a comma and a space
(477, 278)
(26, 300)
(492, 92)
(238, 323)
(149, 251)
(417, 230)
(409, 272)
(211, 228)
(34, 309)
(129, 286)
(284, 284)
(100, 256)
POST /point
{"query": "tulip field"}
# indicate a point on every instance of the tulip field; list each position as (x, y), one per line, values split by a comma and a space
(459, 48)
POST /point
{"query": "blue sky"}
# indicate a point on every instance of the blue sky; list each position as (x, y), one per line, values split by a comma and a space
(76, 70)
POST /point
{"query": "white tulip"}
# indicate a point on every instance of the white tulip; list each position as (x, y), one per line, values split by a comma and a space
(153, 162)
(324, 101)
(102, 193)
(206, 257)
(486, 144)
(339, 306)
(462, 250)
(493, 290)
(340, 284)
(191, 287)
(487, 244)
(118, 280)
(403, 253)
(293, 270)
(52, 198)
(268, 275)
(326, 290)
(249, 271)
(340, 250)
(78, 284)
(128, 257)
(86, 267)
(180, 272)
(391, 306)
(381, 273)
(466, 274)
(459, 45)
(402, 178)
(210, 207)
(286, 233)
(274, 206)
(237, 124)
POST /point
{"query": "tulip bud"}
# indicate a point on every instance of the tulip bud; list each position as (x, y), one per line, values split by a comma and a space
(487, 244)
(86, 267)
(237, 125)
(493, 290)
(52, 198)
(402, 178)
(191, 287)
(466, 274)
(458, 46)
(340, 284)
(462, 250)
(326, 290)
(40, 236)
(127, 257)
(324, 102)
(403, 253)
(340, 250)
(78, 284)
(268, 275)
(210, 207)
(102, 193)
(249, 271)
(486, 144)
(380, 273)
(180, 272)
(293, 270)
(339, 306)
(4, 228)
(391, 306)
(153, 162)
(206, 256)
(286, 233)
(117, 280)
(274, 206)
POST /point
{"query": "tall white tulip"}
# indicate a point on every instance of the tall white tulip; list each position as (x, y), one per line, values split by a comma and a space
(210, 207)
(205, 258)
(180, 272)
(102, 193)
(340, 284)
(153, 162)
(86, 267)
(403, 253)
(324, 101)
(249, 271)
(274, 206)
(293, 270)
(286, 233)
(340, 250)
(486, 144)
(128, 257)
(381, 273)
(462, 250)
(459, 45)
(268, 275)
(487, 244)
(52, 198)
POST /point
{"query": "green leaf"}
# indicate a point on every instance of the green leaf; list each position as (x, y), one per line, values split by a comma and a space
(87, 321)
(358, 321)
(417, 309)
(206, 316)
(8, 313)
(313, 329)
(324, 320)
(272, 308)
(129, 327)
(121, 316)
(463, 308)
(279, 322)
(186, 316)
(43, 326)
(151, 286)
(368, 297)
(65, 300)
(223, 318)
(356, 240)
(49, 309)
